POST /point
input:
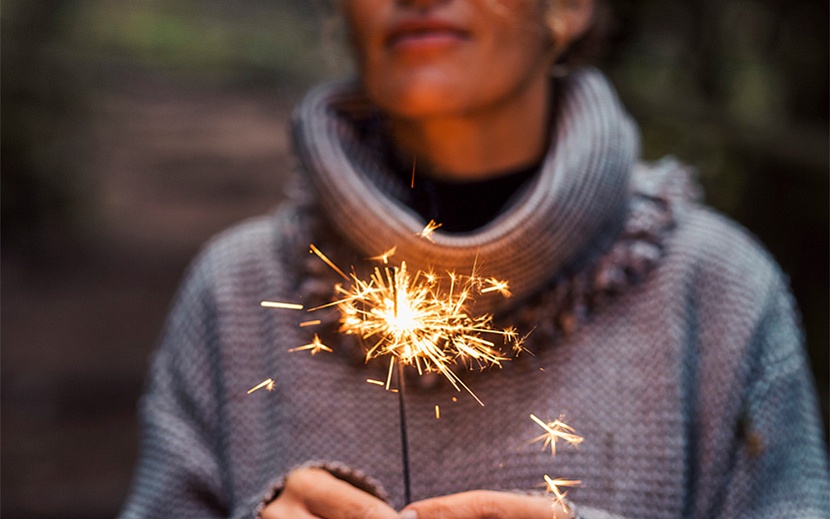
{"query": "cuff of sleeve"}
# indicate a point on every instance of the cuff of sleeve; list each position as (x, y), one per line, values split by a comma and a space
(337, 469)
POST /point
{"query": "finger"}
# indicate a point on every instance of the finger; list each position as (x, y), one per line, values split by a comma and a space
(483, 504)
(330, 498)
(286, 509)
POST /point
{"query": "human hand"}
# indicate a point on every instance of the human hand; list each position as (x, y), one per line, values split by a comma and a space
(485, 504)
(314, 493)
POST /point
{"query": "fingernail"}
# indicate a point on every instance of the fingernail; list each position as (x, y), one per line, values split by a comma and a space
(408, 514)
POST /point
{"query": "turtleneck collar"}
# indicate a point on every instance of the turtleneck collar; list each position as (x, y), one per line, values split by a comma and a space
(573, 209)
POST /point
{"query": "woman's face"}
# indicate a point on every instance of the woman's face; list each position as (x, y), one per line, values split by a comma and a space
(438, 58)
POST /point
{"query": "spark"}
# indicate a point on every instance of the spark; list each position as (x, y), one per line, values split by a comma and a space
(555, 430)
(427, 231)
(315, 346)
(327, 261)
(313, 322)
(496, 285)
(384, 257)
(268, 384)
(277, 304)
(437, 412)
(554, 488)
(380, 383)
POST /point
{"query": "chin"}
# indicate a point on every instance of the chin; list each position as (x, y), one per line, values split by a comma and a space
(414, 98)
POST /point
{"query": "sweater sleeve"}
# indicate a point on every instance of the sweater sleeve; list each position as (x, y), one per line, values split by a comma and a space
(184, 464)
(780, 464)
(179, 473)
(182, 470)
(765, 455)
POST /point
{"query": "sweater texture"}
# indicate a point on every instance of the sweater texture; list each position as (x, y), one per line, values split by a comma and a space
(662, 332)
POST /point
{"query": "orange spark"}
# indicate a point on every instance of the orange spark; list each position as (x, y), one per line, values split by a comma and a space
(327, 261)
(277, 304)
(315, 346)
(427, 231)
(268, 384)
(556, 430)
(384, 257)
(559, 495)
(496, 285)
(313, 322)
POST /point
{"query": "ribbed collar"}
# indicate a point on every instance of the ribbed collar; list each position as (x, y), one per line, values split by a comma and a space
(573, 209)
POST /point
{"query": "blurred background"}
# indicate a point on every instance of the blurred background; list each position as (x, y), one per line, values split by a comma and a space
(134, 130)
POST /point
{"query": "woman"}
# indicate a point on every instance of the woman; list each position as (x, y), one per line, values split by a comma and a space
(664, 334)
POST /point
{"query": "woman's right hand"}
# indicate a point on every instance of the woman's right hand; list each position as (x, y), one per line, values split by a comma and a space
(314, 493)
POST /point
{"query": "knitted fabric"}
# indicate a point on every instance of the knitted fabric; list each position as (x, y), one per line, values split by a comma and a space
(580, 188)
(663, 333)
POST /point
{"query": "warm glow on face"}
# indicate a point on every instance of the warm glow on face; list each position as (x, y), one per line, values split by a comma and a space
(448, 58)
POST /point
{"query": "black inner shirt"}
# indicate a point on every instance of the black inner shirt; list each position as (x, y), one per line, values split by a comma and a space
(464, 206)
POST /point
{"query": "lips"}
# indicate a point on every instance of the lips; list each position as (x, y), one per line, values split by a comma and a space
(424, 33)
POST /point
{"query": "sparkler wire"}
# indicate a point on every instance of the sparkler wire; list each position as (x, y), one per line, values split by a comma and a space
(401, 405)
(404, 438)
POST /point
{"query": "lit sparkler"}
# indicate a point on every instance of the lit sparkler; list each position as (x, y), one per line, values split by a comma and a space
(416, 319)
(411, 319)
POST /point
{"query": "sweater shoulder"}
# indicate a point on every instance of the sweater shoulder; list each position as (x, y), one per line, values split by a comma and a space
(247, 253)
(721, 256)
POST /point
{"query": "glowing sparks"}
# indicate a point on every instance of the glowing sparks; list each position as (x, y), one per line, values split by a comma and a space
(411, 319)
(554, 431)
(554, 487)
(384, 258)
(375, 382)
(415, 319)
(315, 346)
(427, 231)
(437, 412)
(268, 384)
(284, 306)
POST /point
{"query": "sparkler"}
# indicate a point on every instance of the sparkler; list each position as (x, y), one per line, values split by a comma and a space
(415, 319)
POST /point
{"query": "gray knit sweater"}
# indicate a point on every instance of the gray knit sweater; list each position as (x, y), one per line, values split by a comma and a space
(663, 333)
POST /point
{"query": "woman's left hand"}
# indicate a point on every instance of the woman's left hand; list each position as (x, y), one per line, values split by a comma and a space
(486, 504)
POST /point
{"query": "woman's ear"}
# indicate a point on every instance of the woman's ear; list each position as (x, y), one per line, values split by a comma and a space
(568, 20)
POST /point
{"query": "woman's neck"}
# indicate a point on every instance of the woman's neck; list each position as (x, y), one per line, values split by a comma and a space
(482, 144)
